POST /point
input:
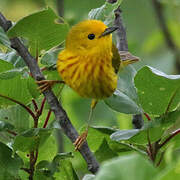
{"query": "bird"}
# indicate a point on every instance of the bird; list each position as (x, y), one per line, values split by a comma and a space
(89, 64)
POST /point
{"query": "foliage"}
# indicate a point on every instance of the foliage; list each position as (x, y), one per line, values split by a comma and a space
(27, 127)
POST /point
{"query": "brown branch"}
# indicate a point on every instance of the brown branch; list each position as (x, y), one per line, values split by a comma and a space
(158, 8)
(55, 105)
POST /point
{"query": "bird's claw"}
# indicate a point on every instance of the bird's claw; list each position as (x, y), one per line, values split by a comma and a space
(80, 140)
(44, 85)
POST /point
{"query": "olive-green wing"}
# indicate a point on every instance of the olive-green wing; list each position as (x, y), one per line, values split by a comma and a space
(121, 59)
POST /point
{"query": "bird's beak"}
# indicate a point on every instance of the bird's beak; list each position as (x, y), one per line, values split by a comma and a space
(108, 31)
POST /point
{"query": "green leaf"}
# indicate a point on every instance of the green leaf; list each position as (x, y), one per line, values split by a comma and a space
(42, 175)
(4, 126)
(104, 152)
(131, 167)
(9, 164)
(124, 134)
(66, 171)
(89, 177)
(33, 88)
(31, 139)
(14, 85)
(96, 135)
(169, 118)
(105, 13)
(3, 38)
(17, 116)
(13, 58)
(170, 172)
(49, 168)
(61, 156)
(48, 150)
(50, 57)
(41, 29)
(139, 136)
(158, 93)
(125, 98)
(12, 73)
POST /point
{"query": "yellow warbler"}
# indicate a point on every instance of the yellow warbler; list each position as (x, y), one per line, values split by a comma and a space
(86, 62)
(89, 63)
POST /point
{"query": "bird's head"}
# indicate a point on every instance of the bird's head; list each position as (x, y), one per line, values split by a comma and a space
(90, 36)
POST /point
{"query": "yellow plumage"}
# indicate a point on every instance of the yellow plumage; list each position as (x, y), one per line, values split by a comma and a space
(86, 65)
(89, 64)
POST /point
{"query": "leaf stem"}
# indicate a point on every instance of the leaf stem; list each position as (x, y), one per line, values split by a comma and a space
(12, 132)
(47, 119)
(160, 160)
(169, 138)
(35, 105)
(42, 106)
(171, 100)
(147, 116)
(21, 104)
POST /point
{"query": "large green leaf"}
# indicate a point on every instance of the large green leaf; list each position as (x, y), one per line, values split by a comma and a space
(105, 13)
(9, 164)
(13, 85)
(47, 168)
(31, 139)
(105, 152)
(130, 167)
(41, 29)
(99, 137)
(158, 92)
(139, 136)
(125, 98)
(66, 171)
(17, 116)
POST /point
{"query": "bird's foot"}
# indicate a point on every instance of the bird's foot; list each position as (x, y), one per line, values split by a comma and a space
(47, 84)
(80, 140)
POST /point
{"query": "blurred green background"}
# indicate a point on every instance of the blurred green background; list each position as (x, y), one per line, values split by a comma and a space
(145, 40)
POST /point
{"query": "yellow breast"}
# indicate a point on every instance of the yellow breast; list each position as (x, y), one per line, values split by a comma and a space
(91, 77)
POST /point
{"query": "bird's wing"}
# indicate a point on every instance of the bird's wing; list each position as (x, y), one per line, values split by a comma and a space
(121, 59)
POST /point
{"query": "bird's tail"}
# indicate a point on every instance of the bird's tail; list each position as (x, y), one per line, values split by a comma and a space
(127, 58)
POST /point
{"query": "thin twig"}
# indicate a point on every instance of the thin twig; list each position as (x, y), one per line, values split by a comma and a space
(55, 106)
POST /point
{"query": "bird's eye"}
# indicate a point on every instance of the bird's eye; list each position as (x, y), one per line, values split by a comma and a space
(91, 36)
